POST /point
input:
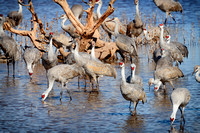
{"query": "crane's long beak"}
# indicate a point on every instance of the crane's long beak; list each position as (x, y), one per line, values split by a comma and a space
(149, 86)
(194, 72)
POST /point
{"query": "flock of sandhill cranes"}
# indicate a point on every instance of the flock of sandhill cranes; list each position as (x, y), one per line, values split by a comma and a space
(81, 63)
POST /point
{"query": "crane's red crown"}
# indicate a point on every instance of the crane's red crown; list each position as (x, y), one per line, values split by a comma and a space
(51, 33)
(155, 88)
(167, 36)
(43, 96)
(121, 63)
(160, 24)
(1, 15)
(172, 119)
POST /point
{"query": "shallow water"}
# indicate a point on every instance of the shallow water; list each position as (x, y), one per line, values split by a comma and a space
(106, 111)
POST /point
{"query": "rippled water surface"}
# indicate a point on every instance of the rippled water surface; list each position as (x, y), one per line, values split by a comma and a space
(21, 109)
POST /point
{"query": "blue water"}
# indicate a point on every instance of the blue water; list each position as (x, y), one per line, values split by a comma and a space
(106, 111)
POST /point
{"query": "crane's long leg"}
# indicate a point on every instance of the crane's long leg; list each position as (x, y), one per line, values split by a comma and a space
(69, 94)
(78, 82)
(61, 92)
(172, 17)
(130, 107)
(13, 68)
(166, 18)
(182, 116)
(171, 83)
(8, 65)
(97, 83)
(135, 105)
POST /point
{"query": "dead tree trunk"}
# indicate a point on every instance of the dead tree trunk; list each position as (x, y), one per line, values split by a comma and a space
(88, 31)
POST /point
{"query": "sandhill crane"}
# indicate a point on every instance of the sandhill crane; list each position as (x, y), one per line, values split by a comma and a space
(14, 18)
(49, 59)
(131, 92)
(77, 10)
(70, 29)
(175, 52)
(61, 73)
(165, 74)
(165, 60)
(134, 79)
(168, 6)
(153, 34)
(180, 97)
(61, 40)
(96, 69)
(2, 20)
(179, 45)
(31, 57)
(157, 55)
(125, 43)
(135, 27)
(196, 70)
(107, 25)
(93, 57)
(9, 46)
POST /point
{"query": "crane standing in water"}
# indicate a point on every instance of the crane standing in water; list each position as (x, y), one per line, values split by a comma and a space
(131, 92)
(31, 57)
(14, 18)
(125, 43)
(61, 73)
(180, 97)
(49, 59)
(197, 71)
(168, 6)
(135, 27)
(9, 46)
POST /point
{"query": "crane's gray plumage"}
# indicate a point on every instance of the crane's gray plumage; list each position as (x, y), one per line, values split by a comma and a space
(125, 43)
(61, 73)
(92, 67)
(70, 29)
(14, 18)
(32, 57)
(95, 69)
(165, 74)
(8, 45)
(168, 6)
(134, 79)
(197, 71)
(108, 25)
(61, 40)
(153, 34)
(131, 92)
(77, 10)
(157, 55)
(175, 52)
(180, 97)
(135, 27)
(180, 46)
(165, 60)
(49, 59)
